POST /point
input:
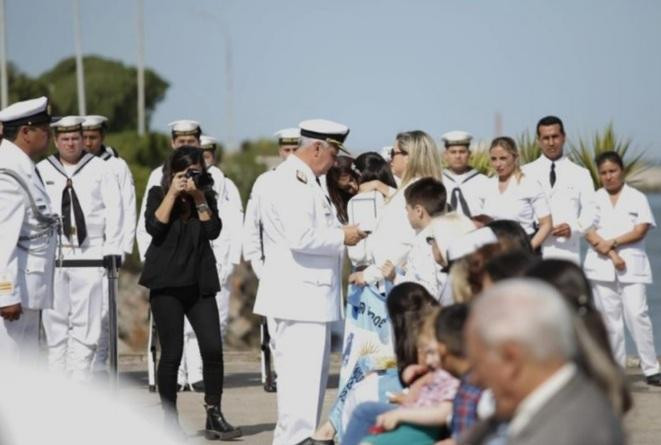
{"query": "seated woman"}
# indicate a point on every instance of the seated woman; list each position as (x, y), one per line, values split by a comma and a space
(408, 304)
(180, 273)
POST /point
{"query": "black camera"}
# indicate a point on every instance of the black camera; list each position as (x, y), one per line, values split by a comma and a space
(202, 179)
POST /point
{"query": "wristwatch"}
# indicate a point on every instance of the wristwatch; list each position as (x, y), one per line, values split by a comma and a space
(202, 207)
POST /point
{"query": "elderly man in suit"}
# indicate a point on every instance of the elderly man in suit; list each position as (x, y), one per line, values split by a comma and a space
(521, 341)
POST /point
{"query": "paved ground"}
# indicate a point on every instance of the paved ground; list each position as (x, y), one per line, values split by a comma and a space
(245, 404)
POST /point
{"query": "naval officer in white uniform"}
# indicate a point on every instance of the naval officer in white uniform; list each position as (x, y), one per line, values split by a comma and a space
(465, 185)
(28, 230)
(568, 188)
(253, 245)
(301, 280)
(86, 195)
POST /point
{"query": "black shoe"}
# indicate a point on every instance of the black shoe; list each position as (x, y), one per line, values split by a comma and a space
(198, 386)
(654, 379)
(217, 427)
(311, 441)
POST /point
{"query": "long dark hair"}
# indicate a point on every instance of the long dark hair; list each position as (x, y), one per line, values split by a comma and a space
(180, 159)
(340, 197)
(372, 166)
(408, 305)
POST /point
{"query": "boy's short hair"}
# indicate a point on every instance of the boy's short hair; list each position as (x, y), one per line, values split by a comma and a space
(450, 323)
(429, 193)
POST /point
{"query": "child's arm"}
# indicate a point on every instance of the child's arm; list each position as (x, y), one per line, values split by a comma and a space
(426, 416)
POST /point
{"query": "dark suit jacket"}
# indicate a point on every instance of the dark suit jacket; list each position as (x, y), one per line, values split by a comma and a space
(579, 414)
(180, 252)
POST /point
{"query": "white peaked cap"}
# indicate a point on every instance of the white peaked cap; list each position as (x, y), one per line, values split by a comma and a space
(470, 242)
(325, 130)
(457, 137)
(26, 112)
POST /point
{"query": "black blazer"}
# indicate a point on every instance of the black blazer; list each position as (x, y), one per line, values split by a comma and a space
(180, 252)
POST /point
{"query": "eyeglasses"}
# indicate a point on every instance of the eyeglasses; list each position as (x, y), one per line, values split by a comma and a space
(394, 153)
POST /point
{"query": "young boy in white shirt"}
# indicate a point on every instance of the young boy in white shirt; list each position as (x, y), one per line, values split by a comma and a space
(425, 200)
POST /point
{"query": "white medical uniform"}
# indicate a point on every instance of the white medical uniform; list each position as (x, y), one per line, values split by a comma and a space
(300, 289)
(73, 326)
(472, 185)
(27, 255)
(522, 201)
(571, 200)
(620, 295)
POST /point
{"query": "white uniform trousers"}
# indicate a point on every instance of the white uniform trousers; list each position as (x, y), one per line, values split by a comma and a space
(626, 304)
(301, 361)
(73, 326)
(100, 359)
(19, 339)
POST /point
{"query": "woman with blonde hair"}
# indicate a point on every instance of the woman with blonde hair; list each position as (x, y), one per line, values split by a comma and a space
(515, 196)
(413, 156)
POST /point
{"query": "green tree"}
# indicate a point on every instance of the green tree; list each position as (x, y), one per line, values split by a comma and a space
(23, 87)
(110, 90)
(244, 165)
(586, 150)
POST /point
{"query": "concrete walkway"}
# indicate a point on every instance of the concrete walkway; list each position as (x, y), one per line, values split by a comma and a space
(245, 403)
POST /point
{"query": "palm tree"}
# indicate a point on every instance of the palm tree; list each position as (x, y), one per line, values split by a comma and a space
(585, 152)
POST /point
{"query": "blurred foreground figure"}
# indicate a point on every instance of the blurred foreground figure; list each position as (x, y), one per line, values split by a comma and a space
(521, 342)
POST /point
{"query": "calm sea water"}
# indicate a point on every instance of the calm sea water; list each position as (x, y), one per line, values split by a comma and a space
(653, 244)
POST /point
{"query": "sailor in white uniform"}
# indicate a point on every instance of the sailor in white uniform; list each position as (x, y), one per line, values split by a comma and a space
(568, 188)
(301, 280)
(94, 131)
(253, 245)
(86, 195)
(465, 185)
(28, 230)
(618, 266)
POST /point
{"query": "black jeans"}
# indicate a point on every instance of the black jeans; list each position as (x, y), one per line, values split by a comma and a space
(169, 307)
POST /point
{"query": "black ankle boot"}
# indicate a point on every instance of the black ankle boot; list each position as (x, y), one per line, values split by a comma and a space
(217, 427)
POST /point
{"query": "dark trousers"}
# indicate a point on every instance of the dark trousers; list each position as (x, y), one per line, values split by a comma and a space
(169, 307)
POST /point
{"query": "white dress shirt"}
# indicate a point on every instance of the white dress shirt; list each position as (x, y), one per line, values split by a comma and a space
(522, 201)
(571, 200)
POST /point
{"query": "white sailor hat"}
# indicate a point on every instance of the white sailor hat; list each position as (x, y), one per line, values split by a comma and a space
(385, 152)
(95, 122)
(68, 124)
(457, 137)
(325, 130)
(288, 136)
(470, 242)
(185, 127)
(208, 142)
(27, 112)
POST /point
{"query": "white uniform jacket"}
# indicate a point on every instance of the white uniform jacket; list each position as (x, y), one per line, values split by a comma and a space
(571, 200)
(631, 209)
(227, 247)
(303, 244)
(127, 190)
(252, 238)
(472, 184)
(27, 260)
(98, 193)
(141, 236)
(522, 201)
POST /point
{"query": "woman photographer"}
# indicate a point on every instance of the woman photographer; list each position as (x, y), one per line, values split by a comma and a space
(180, 271)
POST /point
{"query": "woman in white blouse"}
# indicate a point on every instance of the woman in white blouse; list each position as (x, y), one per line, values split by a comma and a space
(515, 196)
(414, 156)
(618, 266)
